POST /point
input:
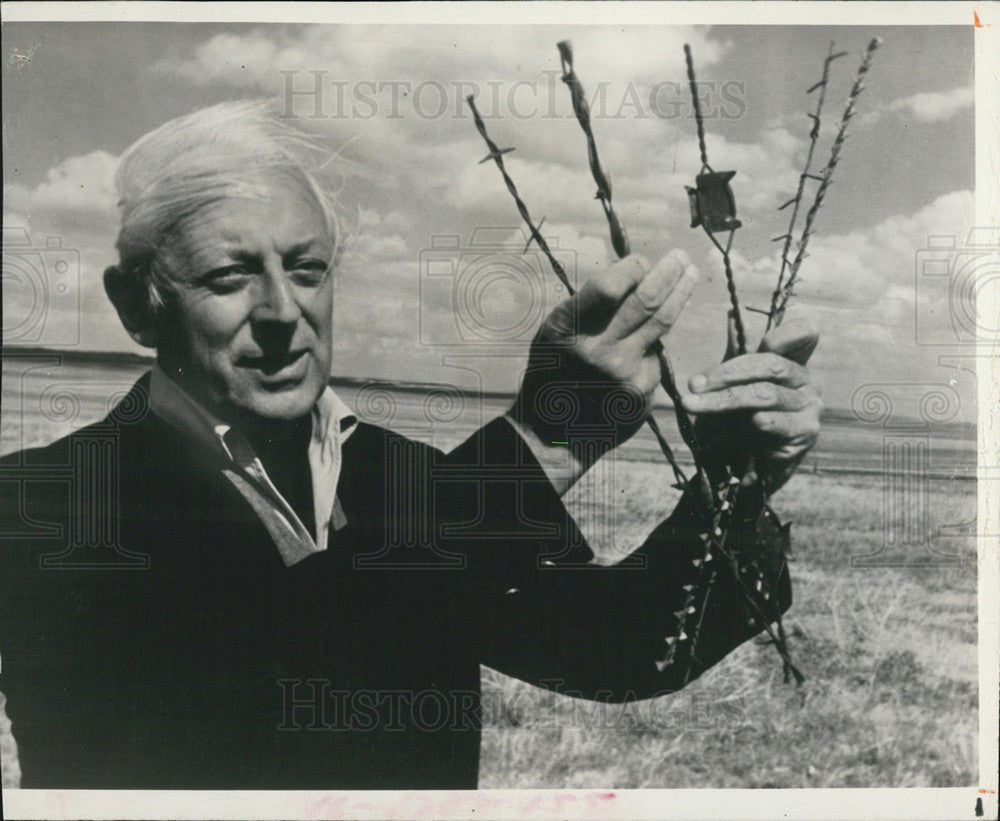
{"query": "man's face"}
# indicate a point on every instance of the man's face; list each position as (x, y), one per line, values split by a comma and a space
(248, 331)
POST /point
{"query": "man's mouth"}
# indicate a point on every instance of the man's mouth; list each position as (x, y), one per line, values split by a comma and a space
(278, 367)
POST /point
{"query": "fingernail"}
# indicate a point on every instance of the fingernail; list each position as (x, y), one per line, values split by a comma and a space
(699, 382)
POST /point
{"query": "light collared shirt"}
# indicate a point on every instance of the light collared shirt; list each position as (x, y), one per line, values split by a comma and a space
(332, 423)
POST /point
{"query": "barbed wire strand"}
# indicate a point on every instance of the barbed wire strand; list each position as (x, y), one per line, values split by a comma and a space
(619, 237)
(496, 154)
(806, 174)
(741, 337)
(720, 526)
(715, 537)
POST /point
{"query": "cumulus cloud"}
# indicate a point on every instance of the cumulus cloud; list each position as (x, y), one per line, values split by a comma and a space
(80, 190)
(69, 222)
(865, 288)
(396, 86)
(241, 61)
(859, 268)
(382, 53)
(934, 106)
(399, 96)
(373, 246)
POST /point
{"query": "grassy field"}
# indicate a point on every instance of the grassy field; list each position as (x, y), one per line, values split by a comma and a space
(889, 655)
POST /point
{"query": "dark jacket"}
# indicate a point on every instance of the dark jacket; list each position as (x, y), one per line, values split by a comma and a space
(151, 636)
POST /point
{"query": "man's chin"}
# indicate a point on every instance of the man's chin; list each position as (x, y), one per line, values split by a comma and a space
(287, 393)
(280, 402)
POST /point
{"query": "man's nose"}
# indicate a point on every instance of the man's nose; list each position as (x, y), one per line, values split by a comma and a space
(277, 302)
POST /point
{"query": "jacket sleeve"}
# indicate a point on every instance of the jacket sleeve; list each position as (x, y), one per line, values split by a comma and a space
(547, 614)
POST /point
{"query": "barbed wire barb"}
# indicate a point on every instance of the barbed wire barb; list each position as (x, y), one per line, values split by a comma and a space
(496, 154)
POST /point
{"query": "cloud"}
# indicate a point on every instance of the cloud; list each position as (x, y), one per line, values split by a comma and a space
(484, 277)
(372, 246)
(406, 86)
(866, 290)
(398, 95)
(234, 60)
(70, 217)
(448, 53)
(857, 269)
(934, 106)
(79, 191)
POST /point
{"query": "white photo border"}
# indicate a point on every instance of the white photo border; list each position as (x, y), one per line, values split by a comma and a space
(532, 804)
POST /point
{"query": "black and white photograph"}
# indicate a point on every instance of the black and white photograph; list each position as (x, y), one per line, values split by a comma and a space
(573, 409)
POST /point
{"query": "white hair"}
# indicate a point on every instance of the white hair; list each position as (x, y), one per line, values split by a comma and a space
(199, 159)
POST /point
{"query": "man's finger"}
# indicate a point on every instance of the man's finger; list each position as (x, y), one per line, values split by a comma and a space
(647, 297)
(758, 396)
(795, 339)
(793, 430)
(743, 370)
(667, 315)
(601, 294)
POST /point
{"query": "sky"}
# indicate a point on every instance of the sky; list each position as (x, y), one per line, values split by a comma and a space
(433, 286)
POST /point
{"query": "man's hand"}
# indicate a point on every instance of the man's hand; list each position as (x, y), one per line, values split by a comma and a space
(765, 406)
(593, 367)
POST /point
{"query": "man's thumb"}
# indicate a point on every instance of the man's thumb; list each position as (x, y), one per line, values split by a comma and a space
(732, 345)
(795, 339)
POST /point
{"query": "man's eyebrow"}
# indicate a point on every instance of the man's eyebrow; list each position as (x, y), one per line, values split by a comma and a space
(310, 244)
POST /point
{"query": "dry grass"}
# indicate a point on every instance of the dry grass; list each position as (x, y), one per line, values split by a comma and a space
(889, 654)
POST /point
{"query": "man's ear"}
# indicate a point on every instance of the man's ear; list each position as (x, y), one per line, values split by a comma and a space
(130, 296)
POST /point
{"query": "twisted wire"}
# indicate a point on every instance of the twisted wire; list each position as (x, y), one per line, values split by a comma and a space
(741, 337)
(697, 107)
(716, 538)
(734, 300)
(762, 617)
(619, 237)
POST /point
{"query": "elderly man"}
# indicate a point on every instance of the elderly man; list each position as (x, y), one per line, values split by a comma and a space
(310, 597)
